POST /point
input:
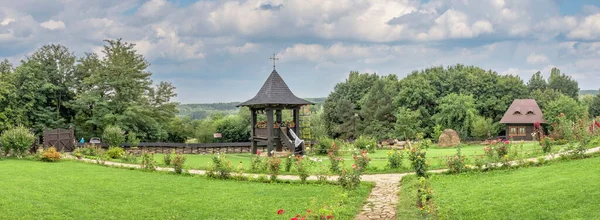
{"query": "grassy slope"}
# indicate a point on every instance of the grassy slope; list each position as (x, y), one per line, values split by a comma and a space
(71, 190)
(436, 158)
(566, 190)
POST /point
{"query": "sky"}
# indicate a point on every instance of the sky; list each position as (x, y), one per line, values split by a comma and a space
(218, 51)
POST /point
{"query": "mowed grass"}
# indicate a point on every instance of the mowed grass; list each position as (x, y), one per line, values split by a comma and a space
(436, 157)
(565, 190)
(74, 190)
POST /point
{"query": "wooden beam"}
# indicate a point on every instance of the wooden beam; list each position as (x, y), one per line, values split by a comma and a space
(296, 115)
(270, 146)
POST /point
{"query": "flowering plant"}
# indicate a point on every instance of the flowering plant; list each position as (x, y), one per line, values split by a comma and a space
(395, 158)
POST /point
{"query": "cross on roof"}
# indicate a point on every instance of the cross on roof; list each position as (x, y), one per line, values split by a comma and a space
(274, 58)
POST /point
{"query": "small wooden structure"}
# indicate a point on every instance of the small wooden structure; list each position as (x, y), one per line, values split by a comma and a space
(62, 139)
(520, 119)
(271, 99)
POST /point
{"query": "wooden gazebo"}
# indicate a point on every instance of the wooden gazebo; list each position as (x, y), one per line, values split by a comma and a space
(273, 97)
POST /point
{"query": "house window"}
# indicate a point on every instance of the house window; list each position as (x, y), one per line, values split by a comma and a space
(517, 131)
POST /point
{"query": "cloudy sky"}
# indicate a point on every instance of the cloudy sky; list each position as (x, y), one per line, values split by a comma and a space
(218, 51)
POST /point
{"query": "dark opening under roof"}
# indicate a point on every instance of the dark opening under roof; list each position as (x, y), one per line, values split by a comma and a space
(275, 92)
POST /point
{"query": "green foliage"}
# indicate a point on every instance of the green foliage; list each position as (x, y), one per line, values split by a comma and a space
(483, 127)
(274, 165)
(148, 162)
(424, 197)
(563, 83)
(178, 162)
(569, 107)
(18, 140)
(129, 157)
(233, 128)
(220, 168)
(256, 164)
(132, 139)
(324, 145)
(115, 152)
(113, 136)
(301, 167)
(417, 155)
(437, 132)
(408, 123)
(537, 82)
(289, 161)
(395, 158)
(594, 107)
(365, 143)
(377, 108)
(456, 112)
(457, 162)
(547, 144)
(167, 158)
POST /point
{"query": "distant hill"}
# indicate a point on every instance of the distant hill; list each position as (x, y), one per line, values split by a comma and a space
(201, 111)
(588, 92)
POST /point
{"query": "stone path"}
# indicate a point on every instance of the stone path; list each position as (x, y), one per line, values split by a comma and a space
(383, 199)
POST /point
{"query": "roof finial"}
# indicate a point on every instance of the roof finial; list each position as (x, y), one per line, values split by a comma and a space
(274, 58)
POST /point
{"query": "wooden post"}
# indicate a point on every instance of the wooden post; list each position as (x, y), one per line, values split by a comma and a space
(296, 116)
(278, 116)
(252, 131)
(270, 146)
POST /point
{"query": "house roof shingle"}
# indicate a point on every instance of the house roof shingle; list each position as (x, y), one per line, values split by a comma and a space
(275, 92)
(516, 115)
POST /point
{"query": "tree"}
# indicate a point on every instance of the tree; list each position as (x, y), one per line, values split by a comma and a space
(456, 112)
(563, 83)
(483, 127)
(536, 82)
(544, 97)
(343, 103)
(377, 112)
(594, 107)
(565, 105)
(116, 90)
(233, 129)
(408, 123)
(418, 94)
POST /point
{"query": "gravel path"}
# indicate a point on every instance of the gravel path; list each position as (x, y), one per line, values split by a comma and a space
(381, 203)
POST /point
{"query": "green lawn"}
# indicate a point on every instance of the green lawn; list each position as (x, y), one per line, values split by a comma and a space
(436, 157)
(74, 190)
(565, 190)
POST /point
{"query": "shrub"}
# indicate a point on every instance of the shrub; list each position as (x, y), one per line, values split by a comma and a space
(274, 165)
(546, 144)
(366, 143)
(424, 197)
(178, 162)
(168, 157)
(322, 172)
(133, 140)
(115, 152)
(256, 163)
(456, 163)
(90, 150)
(334, 159)
(148, 162)
(113, 136)
(325, 144)
(395, 158)
(129, 157)
(50, 155)
(361, 160)
(301, 168)
(541, 160)
(289, 161)
(18, 140)
(220, 168)
(417, 157)
(561, 142)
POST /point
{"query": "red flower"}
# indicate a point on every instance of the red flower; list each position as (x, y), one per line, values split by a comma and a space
(507, 142)
(281, 211)
(308, 210)
(258, 152)
(354, 166)
(294, 218)
(329, 217)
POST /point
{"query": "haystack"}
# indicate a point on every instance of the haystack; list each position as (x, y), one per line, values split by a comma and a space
(449, 138)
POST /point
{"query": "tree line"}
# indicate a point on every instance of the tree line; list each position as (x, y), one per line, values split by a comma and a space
(52, 88)
(467, 99)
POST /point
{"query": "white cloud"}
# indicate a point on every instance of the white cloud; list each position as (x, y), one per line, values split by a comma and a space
(588, 29)
(246, 48)
(535, 58)
(53, 25)
(6, 21)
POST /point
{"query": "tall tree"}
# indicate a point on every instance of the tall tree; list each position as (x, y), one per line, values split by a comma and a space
(456, 112)
(377, 112)
(536, 82)
(594, 107)
(563, 105)
(563, 83)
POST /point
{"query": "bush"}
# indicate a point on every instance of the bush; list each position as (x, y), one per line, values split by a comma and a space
(561, 142)
(89, 150)
(274, 164)
(133, 140)
(256, 163)
(301, 168)
(546, 144)
(18, 140)
(324, 145)
(417, 157)
(220, 168)
(113, 136)
(50, 155)
(456, 163)
(366, 143)
(424, 196)
(395, 158)
(289, 161)
(178, 162)
(129, 157)
(115, 152)
(168, 157)
(148, 162)
(361, 160)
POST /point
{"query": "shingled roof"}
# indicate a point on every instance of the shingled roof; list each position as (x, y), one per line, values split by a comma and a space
(275, 92)
(523, 111)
